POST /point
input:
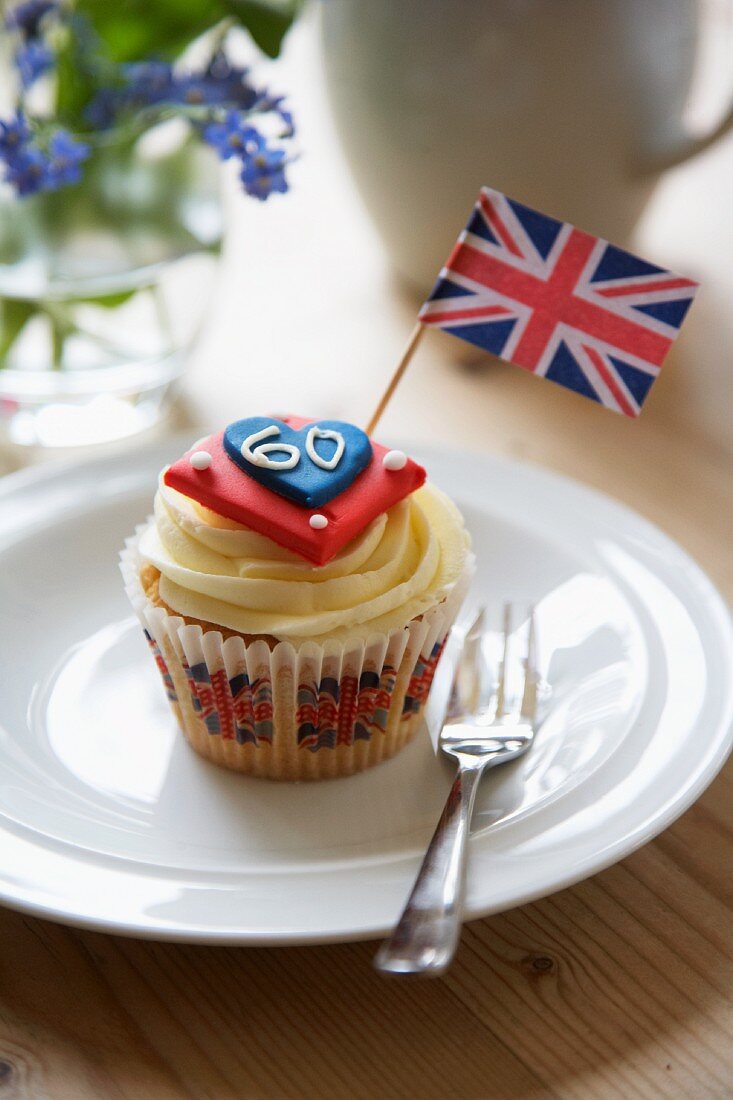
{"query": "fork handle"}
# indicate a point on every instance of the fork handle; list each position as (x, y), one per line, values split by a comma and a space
(426, 937)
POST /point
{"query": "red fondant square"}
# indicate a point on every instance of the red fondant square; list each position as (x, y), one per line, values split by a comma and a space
(226, 489)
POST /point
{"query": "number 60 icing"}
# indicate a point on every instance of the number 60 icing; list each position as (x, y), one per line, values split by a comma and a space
(290, 461)
(258, 455)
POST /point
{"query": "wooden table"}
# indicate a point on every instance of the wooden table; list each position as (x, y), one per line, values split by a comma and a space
(618, 987)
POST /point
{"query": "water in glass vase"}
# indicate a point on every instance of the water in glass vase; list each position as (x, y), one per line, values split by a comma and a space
(103, 288)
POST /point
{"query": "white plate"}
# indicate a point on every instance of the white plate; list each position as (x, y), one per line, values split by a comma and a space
(107, 819)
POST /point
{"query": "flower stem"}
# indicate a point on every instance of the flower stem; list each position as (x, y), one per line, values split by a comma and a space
(61, 329)
(58, 337)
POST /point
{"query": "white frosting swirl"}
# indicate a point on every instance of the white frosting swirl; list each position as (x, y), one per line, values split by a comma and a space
(405, 562)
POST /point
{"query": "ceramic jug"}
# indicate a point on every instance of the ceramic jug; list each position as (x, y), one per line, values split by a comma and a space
(572, 106)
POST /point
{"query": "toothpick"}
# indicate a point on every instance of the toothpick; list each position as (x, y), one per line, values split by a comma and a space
(402, 366)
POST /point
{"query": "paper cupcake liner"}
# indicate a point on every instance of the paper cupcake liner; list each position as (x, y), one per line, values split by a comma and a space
(306, 711)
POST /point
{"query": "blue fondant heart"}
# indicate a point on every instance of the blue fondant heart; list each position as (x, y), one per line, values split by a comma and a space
(300, 455)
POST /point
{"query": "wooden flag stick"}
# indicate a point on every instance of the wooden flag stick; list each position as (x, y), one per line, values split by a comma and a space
(402, 366)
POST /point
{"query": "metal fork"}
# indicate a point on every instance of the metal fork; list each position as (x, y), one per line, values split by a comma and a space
(486, 726)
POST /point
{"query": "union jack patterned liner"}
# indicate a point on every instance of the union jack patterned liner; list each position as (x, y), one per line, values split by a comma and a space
(330, 712)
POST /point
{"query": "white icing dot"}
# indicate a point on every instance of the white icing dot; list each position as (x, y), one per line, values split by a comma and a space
(318, 522)
(394, 460)
(200, 460)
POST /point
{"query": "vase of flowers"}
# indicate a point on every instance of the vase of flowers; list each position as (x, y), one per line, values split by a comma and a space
(110, 212)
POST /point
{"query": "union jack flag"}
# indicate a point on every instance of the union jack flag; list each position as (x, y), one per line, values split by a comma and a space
(559, 302)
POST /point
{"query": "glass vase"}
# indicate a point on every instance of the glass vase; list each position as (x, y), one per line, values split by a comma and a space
(103, 288)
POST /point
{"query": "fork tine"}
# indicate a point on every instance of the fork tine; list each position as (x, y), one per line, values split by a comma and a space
(476, 628)
(466, 677)
(531, 676)
(508, 704)
(501, 686)
(471, 663)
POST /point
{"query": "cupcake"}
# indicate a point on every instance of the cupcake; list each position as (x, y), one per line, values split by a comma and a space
(296, 585)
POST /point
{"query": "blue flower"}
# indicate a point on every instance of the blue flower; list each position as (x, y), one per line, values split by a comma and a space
(275, 103)
(233, 82)
(263, 168)
(32, 60)
(264, 173)
(219, 89)
(151, 82)
(147, 81)
(26, 17)
(13, 136)
(65, 158)
(27, 170)
(101, 112)
(198, 90)
(288, 124)
(233, 137)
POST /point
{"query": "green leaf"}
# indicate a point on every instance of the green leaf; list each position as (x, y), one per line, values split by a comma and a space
(107, 301)
(266, 20)
(13, 316)
(133, 30)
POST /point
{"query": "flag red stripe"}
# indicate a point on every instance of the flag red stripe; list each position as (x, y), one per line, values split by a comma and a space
(643, 288)
(553, 301)
(463, 314)
(534, 340)
(610, 381)
(492, 216)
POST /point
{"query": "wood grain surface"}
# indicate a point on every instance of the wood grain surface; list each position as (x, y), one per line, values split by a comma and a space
(619, 987)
